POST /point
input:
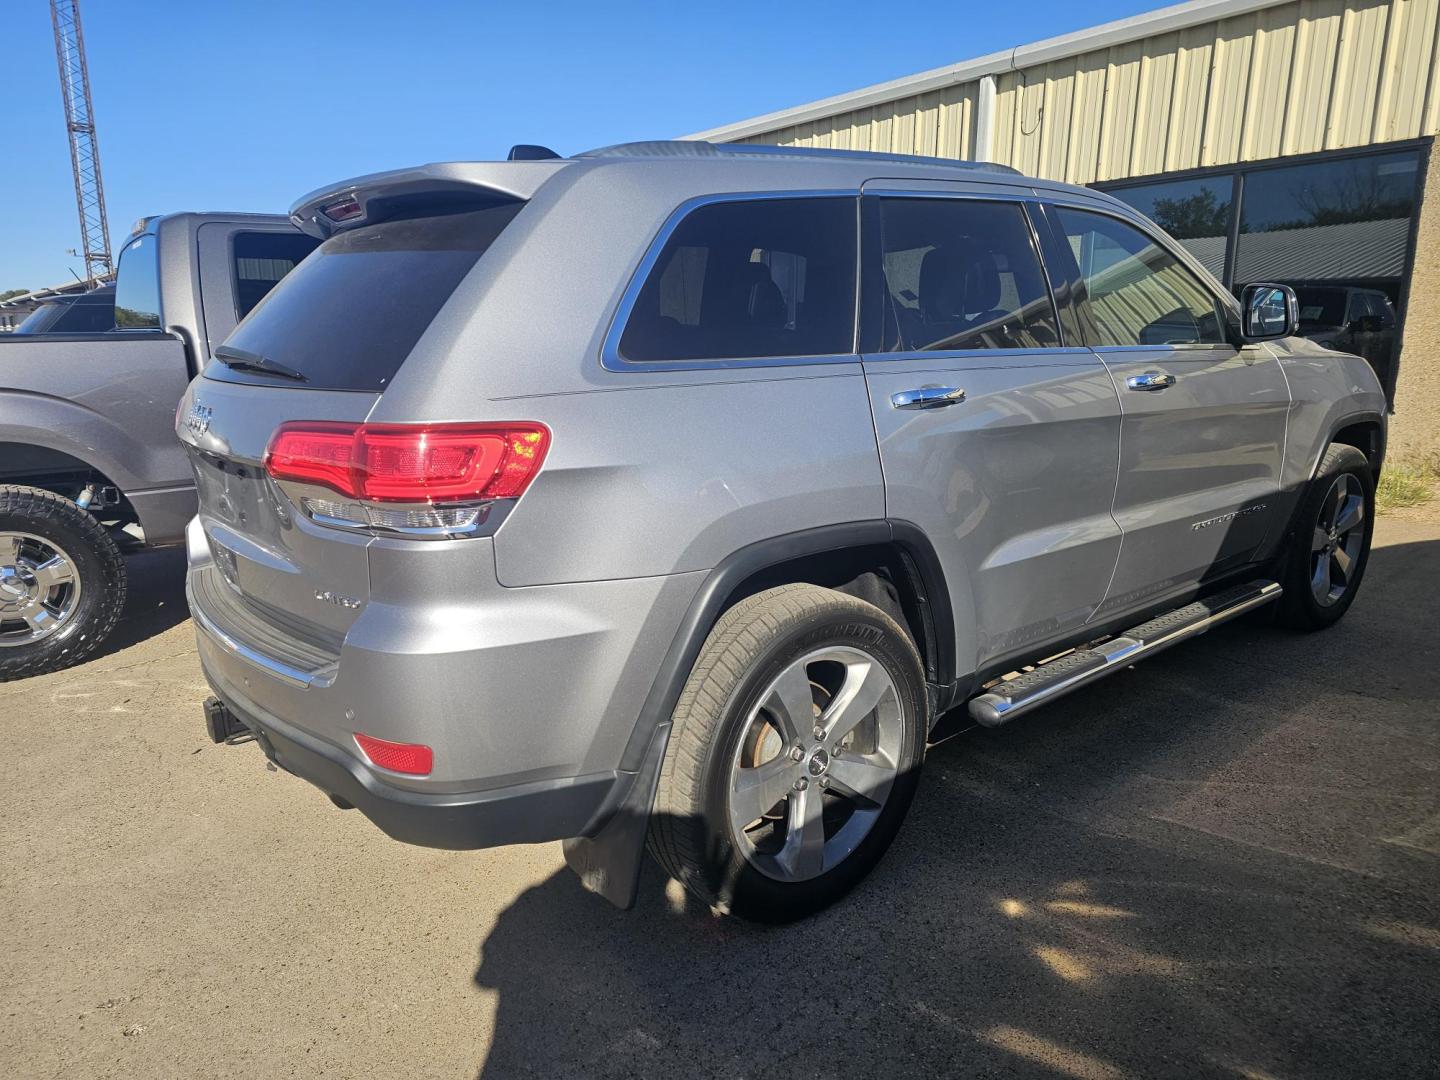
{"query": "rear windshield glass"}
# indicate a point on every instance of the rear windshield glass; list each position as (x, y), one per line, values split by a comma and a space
(348, 315)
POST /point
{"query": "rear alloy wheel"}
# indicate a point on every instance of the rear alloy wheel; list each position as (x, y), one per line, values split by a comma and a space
(62, 582)
(816, 763)
(1331, 542)
(796, 748)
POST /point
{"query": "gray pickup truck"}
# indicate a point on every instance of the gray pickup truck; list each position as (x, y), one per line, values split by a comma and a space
(89, 463)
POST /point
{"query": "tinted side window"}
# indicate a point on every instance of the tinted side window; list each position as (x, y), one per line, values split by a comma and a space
(1385, 311)
(137, 285)
(1194, 212)
(1139, 294)
(750, 280)
(962, 274)
(260, 259)
(84, 318)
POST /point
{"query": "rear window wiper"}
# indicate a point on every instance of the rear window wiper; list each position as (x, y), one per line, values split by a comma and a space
(244, 360)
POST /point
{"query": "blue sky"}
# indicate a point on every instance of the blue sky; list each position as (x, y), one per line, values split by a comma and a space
(245, 106)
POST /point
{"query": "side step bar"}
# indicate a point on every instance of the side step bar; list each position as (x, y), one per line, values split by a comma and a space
(1007, 700)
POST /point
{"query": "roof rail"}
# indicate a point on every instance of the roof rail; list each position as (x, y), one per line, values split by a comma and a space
(692, 148)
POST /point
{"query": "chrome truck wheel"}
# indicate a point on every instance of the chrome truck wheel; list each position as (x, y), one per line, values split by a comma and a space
(62, 582)
(39, 589)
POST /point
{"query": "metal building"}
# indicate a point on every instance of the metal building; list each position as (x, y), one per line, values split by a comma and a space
(1281, 141)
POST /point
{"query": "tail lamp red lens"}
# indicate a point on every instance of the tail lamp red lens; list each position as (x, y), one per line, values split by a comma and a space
(410, 758)
(414, 463)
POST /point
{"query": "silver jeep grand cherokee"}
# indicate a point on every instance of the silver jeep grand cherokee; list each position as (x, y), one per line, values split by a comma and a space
(678, 494)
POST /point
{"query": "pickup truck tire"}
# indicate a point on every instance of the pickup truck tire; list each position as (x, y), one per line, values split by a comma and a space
(812, 703)
(82, 592)
(1330, 544)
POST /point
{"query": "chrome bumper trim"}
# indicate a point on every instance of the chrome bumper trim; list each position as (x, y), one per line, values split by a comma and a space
(284, 672)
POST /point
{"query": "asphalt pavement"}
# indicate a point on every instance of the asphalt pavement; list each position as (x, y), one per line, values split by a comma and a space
(1225, 862)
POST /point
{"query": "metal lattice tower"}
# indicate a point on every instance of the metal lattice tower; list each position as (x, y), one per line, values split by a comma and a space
(84, 149)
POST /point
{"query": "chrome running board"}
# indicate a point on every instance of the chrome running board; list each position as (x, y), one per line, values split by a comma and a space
(1070, 671)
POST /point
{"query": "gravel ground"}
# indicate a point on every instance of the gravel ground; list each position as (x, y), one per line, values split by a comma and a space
(1223, 863)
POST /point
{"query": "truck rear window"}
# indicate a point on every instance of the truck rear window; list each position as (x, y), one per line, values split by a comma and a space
(348, 315)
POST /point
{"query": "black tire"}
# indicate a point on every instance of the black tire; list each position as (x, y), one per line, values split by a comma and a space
(1299, 607)
(747, 650)
(97, 563)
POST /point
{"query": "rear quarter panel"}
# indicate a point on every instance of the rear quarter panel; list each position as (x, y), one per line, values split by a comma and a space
(665, 480)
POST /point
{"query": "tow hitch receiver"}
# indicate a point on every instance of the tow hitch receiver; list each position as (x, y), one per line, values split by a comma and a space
(220, 723)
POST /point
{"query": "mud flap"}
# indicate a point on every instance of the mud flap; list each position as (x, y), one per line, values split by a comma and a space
(609, 862)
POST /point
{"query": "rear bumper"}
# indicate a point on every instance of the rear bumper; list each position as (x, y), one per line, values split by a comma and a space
(522, 814)
(528, 697)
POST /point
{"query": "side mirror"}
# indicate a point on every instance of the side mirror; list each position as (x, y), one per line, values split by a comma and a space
(1366, 324)
(1269, 311)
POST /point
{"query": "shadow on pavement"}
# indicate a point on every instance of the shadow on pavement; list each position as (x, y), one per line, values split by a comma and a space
(154, 600)
(1222, 863)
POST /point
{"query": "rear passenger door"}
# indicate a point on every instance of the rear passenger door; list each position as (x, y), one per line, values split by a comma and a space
(997, 437)
(1203, 421)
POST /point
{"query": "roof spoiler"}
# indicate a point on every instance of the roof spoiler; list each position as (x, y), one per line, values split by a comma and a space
(367, 199)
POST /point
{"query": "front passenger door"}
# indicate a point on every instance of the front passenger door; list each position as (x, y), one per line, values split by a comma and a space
(1203, 422)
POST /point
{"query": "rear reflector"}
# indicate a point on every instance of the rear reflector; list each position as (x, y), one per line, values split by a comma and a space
(411, 463)
(411, 758)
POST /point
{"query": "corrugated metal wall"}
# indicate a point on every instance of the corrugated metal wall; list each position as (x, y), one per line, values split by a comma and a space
(1292, 79)
(939, 124)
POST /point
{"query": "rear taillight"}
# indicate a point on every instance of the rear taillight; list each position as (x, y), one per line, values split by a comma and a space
(438, 469)
(410, 758)
(419, 463)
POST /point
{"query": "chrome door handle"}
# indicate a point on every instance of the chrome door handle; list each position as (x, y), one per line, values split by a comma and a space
(1150, 380)
(928, 397)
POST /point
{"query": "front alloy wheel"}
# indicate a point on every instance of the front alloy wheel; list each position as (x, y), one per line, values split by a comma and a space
(1337, 541)
(1330, 541)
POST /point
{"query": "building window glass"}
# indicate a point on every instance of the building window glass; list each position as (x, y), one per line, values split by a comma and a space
(1194, 212)
(1339, 232)
(1342, 220)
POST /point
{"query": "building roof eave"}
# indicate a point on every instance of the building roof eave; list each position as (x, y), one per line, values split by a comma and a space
(1121, 31)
